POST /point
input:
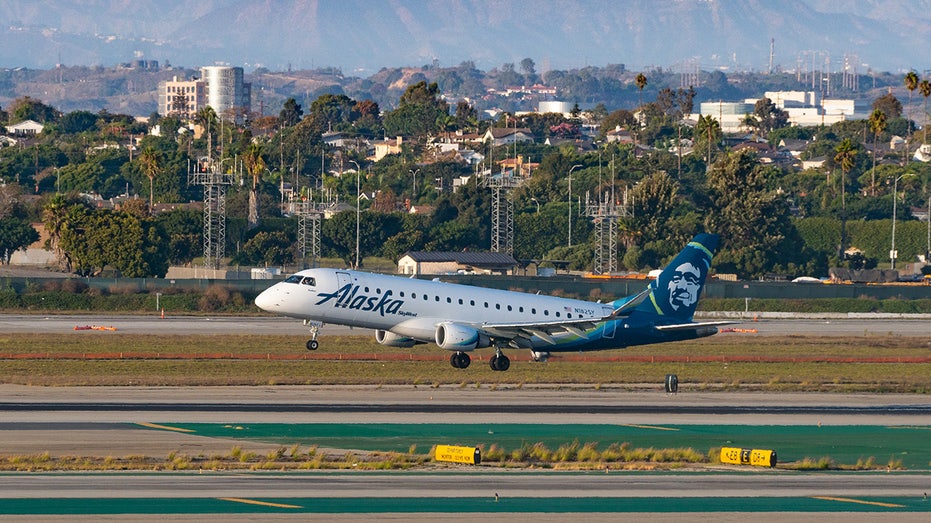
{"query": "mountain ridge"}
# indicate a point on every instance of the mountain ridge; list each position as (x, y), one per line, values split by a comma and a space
(360, 36)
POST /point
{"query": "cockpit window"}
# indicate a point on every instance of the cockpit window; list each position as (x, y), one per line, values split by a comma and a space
(294, 278)
(309, 281)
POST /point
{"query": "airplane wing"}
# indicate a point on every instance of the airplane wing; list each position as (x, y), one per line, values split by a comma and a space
(519, 334)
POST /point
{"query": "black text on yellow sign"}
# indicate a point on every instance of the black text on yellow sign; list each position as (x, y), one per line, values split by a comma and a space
(755, 457)
(469, 455)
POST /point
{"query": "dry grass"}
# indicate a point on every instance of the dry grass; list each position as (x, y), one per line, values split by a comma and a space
(128, 359)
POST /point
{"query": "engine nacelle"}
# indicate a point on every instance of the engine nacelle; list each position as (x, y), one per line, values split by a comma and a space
(393, 340)
(452, 336)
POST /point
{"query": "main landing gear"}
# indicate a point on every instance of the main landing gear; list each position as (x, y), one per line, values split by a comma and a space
(499, 361)
(459, 360)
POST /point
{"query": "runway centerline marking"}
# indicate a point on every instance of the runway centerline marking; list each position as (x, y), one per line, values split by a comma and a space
(257, 502)
(163, 427)
(860, 501)
(649, 427)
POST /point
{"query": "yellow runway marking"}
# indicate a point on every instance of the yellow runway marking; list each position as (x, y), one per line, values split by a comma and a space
(650, 427)
(256, 502)
(163, 427)
(860, 501)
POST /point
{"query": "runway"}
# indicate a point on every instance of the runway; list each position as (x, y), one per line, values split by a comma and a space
(104, 422)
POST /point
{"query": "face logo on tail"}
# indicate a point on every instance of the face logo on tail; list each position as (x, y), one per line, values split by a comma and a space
(684, 286)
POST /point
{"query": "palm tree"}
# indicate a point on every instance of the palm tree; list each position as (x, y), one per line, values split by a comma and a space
(150, 161)
(206, 118)
(710, 129)
(877, 125)
(255, 166)
(924, 87)
(911, 83)
(640, 81)
(845, 157)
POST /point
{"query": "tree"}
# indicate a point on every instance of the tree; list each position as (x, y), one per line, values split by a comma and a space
(845, 157)
(752, 219)
(151, 164)
(418, 112)
(528, 67)
(877, 125)
(708, 130)
(290, 114)
(640, 81)
(911, 83)
(207, 118)
(15, 234)
(925, 89)
(767, 117)
(888, 104)
(255, 166)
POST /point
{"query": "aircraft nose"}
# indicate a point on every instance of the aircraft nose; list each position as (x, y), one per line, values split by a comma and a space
(267, 300)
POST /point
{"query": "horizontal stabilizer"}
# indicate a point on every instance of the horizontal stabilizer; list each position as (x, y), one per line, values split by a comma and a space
(693, 326)
(628, 307)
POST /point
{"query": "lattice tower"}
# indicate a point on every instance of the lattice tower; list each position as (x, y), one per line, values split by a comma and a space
(215, 184)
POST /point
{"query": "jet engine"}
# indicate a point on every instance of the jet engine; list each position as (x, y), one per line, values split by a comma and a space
(393, 340)
(452, 336)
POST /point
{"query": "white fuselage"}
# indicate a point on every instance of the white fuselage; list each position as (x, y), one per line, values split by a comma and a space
(414, 308)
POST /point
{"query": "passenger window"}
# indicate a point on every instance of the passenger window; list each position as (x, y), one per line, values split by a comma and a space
(472, 303)
(498, 306)
(413, 295)
(533, 311)
(437, 298)
(449, 300)
(546, 313)
(460, 301)
(402, 294)
(509, 308)
(557, 314)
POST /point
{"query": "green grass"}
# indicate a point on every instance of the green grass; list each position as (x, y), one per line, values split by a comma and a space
(106, 358)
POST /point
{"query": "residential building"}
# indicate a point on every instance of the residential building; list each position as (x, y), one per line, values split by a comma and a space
(182, 98)
(25, 128)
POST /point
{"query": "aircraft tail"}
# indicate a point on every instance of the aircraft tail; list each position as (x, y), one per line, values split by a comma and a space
(674, 293)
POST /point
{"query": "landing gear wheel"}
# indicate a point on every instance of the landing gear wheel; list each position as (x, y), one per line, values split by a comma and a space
(500, 362)
(313, 344)
(459, 360)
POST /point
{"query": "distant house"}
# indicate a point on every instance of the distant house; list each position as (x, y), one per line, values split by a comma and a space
(25, 128)
(419, 262)
(385, 147)
(507, 135)
(793, 147)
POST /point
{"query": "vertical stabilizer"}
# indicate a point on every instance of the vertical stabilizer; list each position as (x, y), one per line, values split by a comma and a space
(674, 293)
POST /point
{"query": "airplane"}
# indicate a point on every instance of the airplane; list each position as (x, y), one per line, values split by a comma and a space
(460, 318)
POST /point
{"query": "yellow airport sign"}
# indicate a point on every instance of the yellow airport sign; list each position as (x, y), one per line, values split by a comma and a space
(468, 455)
(754, 457)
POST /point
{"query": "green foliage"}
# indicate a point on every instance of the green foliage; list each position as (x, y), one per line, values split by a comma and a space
(15, 234)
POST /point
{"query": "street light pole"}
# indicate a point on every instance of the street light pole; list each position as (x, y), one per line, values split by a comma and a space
(358, 213)
(414, 177)
(534, 200)
(570, 202)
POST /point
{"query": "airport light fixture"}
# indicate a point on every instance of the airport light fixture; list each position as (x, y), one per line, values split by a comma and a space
(570, 202)
(536, 201)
